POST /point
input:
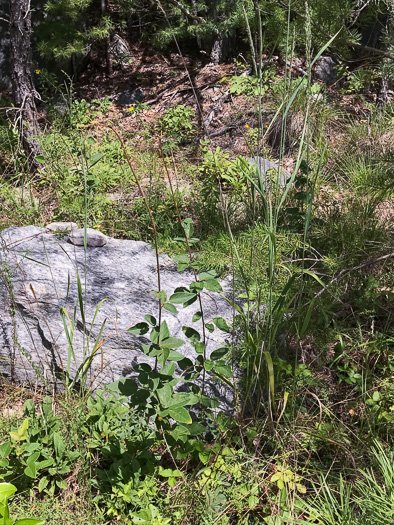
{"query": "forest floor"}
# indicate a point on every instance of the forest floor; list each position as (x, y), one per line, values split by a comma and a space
(313, 263)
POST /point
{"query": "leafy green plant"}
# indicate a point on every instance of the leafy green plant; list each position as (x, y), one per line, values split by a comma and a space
(7, 490)
(38, 451)
(177, 124)
(251, 85)
(285, 477)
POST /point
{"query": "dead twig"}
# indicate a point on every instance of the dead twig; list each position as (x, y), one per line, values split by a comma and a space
(232, 126)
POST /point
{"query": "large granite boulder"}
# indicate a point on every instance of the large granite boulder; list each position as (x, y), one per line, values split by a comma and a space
(38, 270)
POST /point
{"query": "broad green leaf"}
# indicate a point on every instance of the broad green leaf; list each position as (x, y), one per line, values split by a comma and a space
(151, 320)
(213, 285)
(164, 395)
(169, 473)
(190, 301)
(187, 225)
(138, 329)
(191, 334)
(197, 286)
(31, 470)
(253, 501)
(303, 196)
(196, 317)
(182, 297)
(204, 457)
(182, 399)
(210, 327)
(6, 490)
(62, 484)
(171, 342)
(154, 334)
(21, 435)
(59, 445)
(164, 331)
(210, 402)
(221, 324)
(208, 365)
(162, 358)
(200, 348)
(43, 483)
(40, 159)
(125, 387)
(181, 415)
(210, 274)
(376, 396)
(94, 159)
(5, 449)
(169, 369)
(175, 356)
(196, 428)
(45, 463)
(219, 353)
(170, 308)
(32, 459)
(225, 371)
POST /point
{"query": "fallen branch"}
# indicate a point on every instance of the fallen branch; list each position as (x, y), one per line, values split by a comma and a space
(235, 125)
(296, 68)
(345, 271)
(216, 108)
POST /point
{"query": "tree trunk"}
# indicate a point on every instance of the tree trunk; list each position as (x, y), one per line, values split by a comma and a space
(23, 90)
(108, 55)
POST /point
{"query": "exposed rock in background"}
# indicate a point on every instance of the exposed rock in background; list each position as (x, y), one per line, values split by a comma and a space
(325, 70)
(130, 96)
(283, 139)
(120, 51)
(39, 276)
(270, 172)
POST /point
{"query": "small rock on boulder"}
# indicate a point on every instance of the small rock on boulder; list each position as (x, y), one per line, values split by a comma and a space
(63, 227)
(94, 238)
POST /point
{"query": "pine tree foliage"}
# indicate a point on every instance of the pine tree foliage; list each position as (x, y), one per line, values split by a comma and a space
(72, 25)
(68, 28)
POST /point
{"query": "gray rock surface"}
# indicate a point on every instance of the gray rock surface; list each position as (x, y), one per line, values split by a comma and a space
(130, 96)
(269, 171)
(325, 70)
(38, 277)
(94, 238)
